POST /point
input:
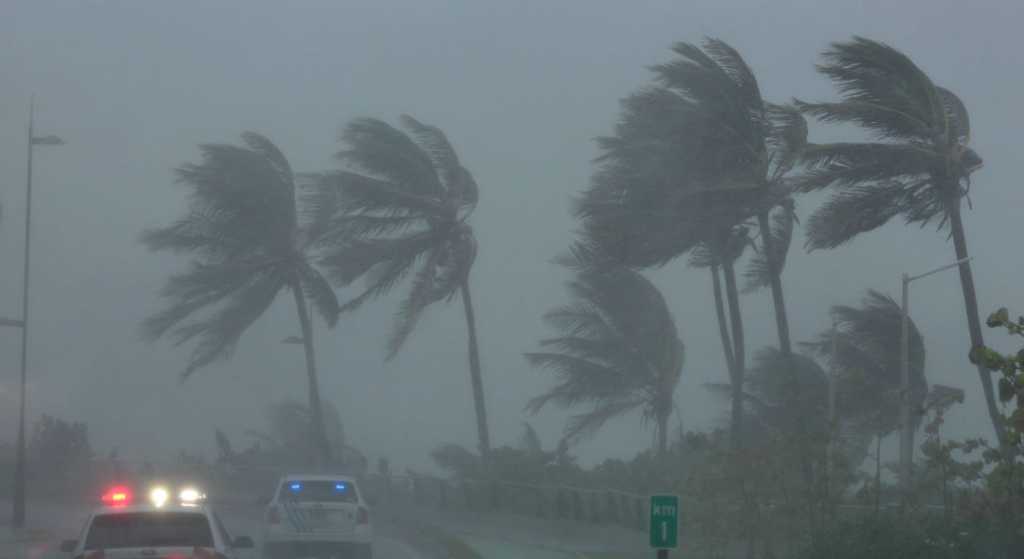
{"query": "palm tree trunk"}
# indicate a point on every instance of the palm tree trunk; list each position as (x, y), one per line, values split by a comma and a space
(723, 326)
(778, 299)
(475, 377)
(730, 359)
(878, 471)
(736, 321)
(322, 455)
(973, 319)
(663, 433)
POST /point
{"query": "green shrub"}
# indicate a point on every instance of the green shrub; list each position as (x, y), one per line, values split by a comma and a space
(894, 536)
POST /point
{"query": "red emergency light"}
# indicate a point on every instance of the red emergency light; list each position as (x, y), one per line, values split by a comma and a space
(117, 496)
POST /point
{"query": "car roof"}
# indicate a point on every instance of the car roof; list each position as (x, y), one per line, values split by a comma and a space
(105, 511)
(317, 477)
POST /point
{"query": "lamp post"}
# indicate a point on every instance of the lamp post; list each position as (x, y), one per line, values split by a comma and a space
(832, 374)
(18, 516)
(906, 427)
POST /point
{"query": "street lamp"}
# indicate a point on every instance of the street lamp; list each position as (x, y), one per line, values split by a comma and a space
(906, 428)
(18, 515)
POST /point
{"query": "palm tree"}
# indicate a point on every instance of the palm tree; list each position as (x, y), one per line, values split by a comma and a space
(697, 161)
(918, 166)
(616, 351)
(402, 207)
(866, 358)
(246, 244)
(752, 144)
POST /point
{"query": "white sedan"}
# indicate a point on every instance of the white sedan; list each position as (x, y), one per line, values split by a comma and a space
(317, 516)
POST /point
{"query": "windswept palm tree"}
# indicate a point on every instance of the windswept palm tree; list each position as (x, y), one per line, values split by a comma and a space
(243, 234)
(698, 161)
(401, 208)
(917, 166)
(866, 358)
(616, 351)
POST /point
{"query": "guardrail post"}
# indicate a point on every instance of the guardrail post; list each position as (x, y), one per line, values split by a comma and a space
(495, 495)
(467, 494)
(577, 506)
(417, 495)
(610, 509)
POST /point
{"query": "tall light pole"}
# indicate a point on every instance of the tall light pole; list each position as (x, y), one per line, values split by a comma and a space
(832, 378)
(19, 460)
(906, 426)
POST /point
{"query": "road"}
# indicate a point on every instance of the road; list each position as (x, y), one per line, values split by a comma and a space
(60, 522)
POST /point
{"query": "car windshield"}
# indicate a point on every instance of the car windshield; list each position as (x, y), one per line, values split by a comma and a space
(149, 529)
(318, 491)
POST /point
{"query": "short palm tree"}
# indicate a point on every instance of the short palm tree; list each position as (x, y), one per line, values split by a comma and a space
(616, 351)
(865, 353)
(243, 234)
(917, 166)
(401, 207)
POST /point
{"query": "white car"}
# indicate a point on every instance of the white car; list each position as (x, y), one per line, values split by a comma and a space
(166, 529)
(317, 516)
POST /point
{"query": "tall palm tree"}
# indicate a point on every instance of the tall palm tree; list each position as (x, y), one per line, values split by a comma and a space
(243, 233)
(616, 351)
(697, 161)
(918, 166)
(402, 207)
(752, 144)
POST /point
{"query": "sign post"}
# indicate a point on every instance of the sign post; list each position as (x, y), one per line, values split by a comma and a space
(664, 525)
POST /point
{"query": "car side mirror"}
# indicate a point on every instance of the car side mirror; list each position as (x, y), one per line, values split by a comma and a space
(67, 546)
(243, 542)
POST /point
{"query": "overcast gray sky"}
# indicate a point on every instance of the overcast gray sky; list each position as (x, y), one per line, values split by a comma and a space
(521, 88)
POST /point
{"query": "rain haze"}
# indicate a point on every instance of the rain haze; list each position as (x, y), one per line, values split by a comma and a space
(521, 89)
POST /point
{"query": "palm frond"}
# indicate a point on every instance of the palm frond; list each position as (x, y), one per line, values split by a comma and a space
(335, 192)
(262, 145)
(219, 334)
(436, 145)
(585, 425)
(851, 212)
(423, 292)
(381, 150)
(957, 121)
(787, 137)
(318, 290)
(854, 164)
(758, 273)
(874, 73)
(530, 441)
(356, 258)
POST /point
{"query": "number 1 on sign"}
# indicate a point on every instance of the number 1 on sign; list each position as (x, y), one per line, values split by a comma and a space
(664, 531)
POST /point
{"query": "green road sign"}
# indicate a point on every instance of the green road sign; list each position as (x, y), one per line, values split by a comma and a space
(664, 521)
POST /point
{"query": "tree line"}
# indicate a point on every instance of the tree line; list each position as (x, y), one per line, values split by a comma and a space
(700, 166)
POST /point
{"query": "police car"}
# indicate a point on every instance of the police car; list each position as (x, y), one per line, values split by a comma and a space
(171, 525)
(317, 516)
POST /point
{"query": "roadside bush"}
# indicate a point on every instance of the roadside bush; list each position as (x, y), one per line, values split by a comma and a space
(895, 536)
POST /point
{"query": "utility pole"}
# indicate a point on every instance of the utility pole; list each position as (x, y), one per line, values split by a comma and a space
(906, 424)
(18, 516)
(832, 377)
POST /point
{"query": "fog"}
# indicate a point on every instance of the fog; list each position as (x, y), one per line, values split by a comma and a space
(521, 89)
